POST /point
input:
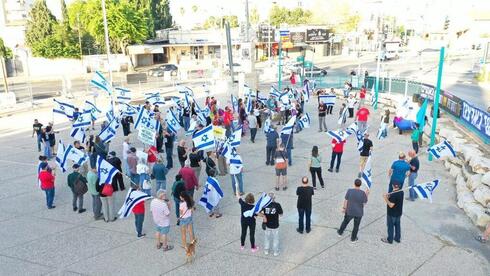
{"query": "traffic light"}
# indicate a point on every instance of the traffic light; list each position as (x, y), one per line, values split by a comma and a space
(446, 24)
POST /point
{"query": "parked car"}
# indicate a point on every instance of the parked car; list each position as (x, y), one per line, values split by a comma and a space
(160, 70)
(315, 72)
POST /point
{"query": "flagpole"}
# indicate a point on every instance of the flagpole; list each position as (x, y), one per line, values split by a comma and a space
(106, 35)
(436, 101)
(376, 85)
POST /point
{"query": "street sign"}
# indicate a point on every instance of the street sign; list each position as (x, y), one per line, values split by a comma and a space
(317, 35)
(284, 35)
(266, 34)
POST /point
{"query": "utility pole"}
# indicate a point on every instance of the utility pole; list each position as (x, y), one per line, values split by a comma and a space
(436, 101)
(106, 34)
(376, 85)
(248, 22)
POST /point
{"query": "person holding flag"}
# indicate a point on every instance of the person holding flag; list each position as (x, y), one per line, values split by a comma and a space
(337, 151)
(394, 207)
(271, 225)
(365, 152)
(212, 196)
(247, 222)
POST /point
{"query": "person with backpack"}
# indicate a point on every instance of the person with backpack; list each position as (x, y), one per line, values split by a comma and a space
(281, 168)
(78, 186)
(177, 188)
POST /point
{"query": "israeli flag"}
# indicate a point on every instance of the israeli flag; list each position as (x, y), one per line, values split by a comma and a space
(122, 95)
(212, 194)
(143, 117)
(128, 110)
(235, 159)
(155, 98)
(83, 120)
(109, 132)
(261, 203)
(343, 116)
(425, 190)
(110, 113)
(339, 135)
(328, 99)
(274, 92)
(94, 111)
(247, 91)
(172, 122)
(78, 134)
(185, 90)
(132, 198)
(225, 149)
(261, 99)
(176, 101)
(304, 121)
(382, 131)
(236, 137)
(204, 138)
(267, 125)
(234, 103)
(367, 176)
(288, 128)
(352, 128)
(286, 97)
(76, 155)
(306, 91)
(249, 107)
(61, 156)
(442, 149)
(192, 127)
(99, 81)
(63, 108)
(360, 139)
(105, 171)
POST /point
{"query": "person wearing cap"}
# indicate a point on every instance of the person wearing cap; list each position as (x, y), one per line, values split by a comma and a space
(271, 221)
(367, 147)
(398, 171)
(117, 180)
(72, 179)
(46, 179)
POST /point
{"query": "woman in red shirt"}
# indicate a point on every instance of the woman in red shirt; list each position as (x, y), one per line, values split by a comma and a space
(46, 178)
(139, 217)
(152, 157)
(337, 150)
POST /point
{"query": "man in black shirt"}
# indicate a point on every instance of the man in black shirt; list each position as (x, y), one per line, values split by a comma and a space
(367, 146)
(304, 193)
(36, 129)
(117, 180)
(272, 213)
(394, 206)
(414, 168)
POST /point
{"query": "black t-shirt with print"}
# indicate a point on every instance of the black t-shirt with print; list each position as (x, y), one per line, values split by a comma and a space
(272, 212)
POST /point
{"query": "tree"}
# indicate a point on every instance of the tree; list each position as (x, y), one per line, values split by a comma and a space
(254, 16)
(64, 13)
(162, 18)
(216, 22)
(5, 52)
(194, 8)
(41, 23)
(297, 16)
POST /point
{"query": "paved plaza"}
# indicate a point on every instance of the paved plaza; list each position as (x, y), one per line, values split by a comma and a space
(437, 238)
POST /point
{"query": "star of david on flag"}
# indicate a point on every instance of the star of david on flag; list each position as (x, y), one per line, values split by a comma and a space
(83, 120)
(122, 95)
(105, 171)
(99, 81)
(133, 197)
(288, 127)
(94, 111)
(63, 108)
(261, 203)
(172, 122)
(109, 132)
(425, 190)
(204, 138)
(304, 121)
(212, 194)
(339, 135)
(367, 176)
(442, 149)
(155, 98)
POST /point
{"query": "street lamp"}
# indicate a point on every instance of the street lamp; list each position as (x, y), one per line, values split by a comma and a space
(25, 56)
(106, 34)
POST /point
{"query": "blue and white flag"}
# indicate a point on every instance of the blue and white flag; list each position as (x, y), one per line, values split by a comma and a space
(306, 91)
(78, 134)
(109, 132)
(204, 138)
(360, 139)
(262, 99)
(274, 92)
(367, 176)
(172, 122)
(224, 149)
(286, 97)
(99, 81)
(261, 203)
(64, 108)
(425, 190)
(123, 95)
(61, 156)
(76, 155)
(185, 90)
(288, 128)
(176, 101)
(382, 131)
(155, 98)
(212, 194)
(94, 111)
(110, 113)
(132, 198)
(144, 118)
(352, 128)
(83, 120)
(343, 116)
(249, 106)
(304, 121)
(442, 149)
(128, 110)
(247, 91)
(105, 171)
(192, 127)
(339, 135)
(234, 103)
(267, 125)
(236, 137)
(328, 99)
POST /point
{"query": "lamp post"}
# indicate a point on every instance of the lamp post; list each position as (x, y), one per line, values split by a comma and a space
(436, 101)
(106, 34)
(376, 85)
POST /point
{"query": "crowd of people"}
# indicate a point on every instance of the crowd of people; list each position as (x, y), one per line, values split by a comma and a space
(147, 170)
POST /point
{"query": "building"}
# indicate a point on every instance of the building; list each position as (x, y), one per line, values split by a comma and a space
(13, 18)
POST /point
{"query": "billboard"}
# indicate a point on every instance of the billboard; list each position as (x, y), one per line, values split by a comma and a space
(317, 35)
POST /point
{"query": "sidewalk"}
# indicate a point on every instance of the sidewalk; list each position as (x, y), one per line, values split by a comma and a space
(437, 238)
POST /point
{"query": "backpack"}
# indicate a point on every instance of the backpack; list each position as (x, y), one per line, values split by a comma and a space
(281, 163)
(107, 190)
(80, 187)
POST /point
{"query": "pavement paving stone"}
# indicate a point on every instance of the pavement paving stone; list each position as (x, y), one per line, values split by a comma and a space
(315, 271)
(13, 267)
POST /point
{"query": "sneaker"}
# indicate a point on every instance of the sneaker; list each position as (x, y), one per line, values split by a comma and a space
(323, 186)
(168, 248)
(276, 188)
(308, 231)
(354, 241)
(284, 188)
(242, 247)
(266, 252)
(159, 245)
(299, 231)
(254, 249)
(141, 235)
(314, 188)
(75, 209)
(339, 234)
(480, 239)
(81, 211)
(385, 240)
(336, 170)
(330, 170)
(276, 254)
(52, 207)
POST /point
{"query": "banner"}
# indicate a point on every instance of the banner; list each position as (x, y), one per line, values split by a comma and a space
(147, 135)
(219, 132)
(477, 118)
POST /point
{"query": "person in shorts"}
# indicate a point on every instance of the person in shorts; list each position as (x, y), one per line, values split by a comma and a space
(281, 168)
(367, 146)
(160, 210)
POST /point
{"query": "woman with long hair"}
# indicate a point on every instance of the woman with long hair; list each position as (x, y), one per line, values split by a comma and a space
(186, 209)
(315, 167)
(247, 222)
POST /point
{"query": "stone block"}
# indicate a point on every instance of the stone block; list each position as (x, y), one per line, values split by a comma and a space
(455, 160)
(482, 195)
(469, 151)
(454, 170)
(464, 198)
(477, 213)
(461, 185)
(473, 181)
(447, 164)
(466, 171)
(480, 164)
(486, 179)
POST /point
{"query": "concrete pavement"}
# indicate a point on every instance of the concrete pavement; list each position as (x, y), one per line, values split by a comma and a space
(437, 238)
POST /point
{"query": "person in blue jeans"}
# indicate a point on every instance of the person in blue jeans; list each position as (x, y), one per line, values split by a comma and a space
(394, 207)
(159, 172)
(169, 148)
(36, 129)
(304, 193)
(287, 141)
(414, 168)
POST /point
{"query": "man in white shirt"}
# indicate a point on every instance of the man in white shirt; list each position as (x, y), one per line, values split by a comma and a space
(351, 102)
(236, 168)
(252, 124)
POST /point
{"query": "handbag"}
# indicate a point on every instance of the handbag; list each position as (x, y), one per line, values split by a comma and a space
(79, 187)
(281, 162)
(178, 219)
(107, 190)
